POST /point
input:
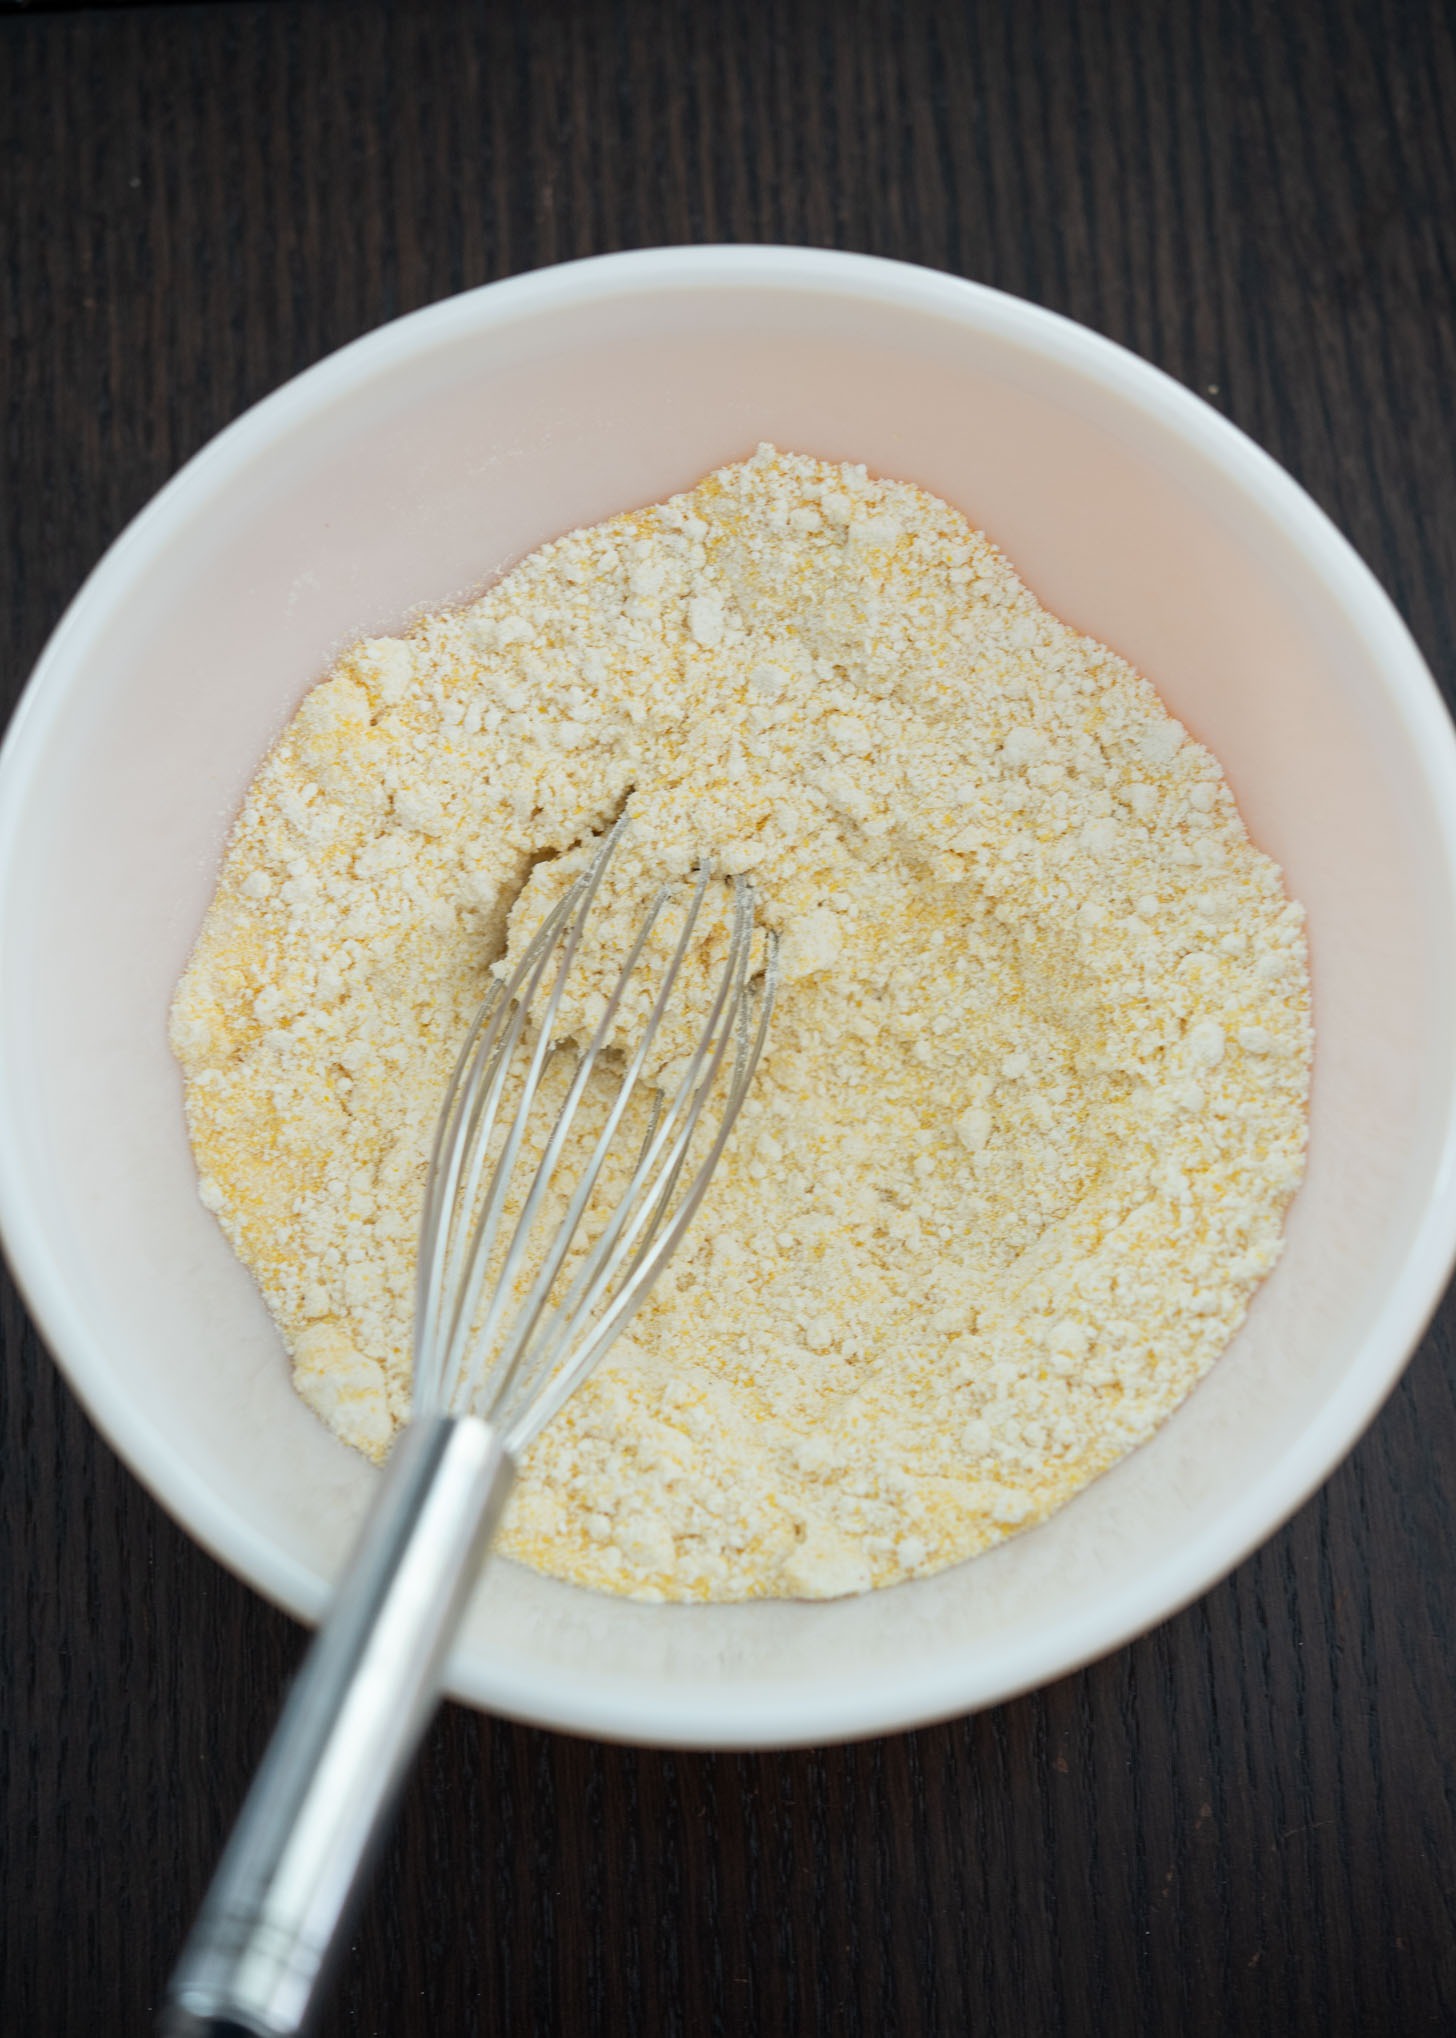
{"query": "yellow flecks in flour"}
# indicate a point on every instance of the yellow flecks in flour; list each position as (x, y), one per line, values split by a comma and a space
(1034, 1100)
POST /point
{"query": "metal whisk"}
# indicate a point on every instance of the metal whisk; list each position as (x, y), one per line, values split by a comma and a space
(507, 1325)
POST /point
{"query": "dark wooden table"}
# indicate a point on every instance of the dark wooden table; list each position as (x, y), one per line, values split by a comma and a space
(1247, 1821)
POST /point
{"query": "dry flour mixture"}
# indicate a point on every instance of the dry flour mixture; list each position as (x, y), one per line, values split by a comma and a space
(1034, 1101)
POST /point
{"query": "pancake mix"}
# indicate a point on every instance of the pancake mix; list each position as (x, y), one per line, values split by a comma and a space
(1034, 1100)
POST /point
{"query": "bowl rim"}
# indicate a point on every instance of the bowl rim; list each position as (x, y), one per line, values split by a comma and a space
(764, 1715)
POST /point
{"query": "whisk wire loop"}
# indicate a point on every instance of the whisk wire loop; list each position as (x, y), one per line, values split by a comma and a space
(514, 1357)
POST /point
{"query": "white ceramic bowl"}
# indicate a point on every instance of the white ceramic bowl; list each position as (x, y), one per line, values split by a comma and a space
(413, 467)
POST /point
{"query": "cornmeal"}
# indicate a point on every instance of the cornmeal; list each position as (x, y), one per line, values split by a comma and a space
(1034, 1099)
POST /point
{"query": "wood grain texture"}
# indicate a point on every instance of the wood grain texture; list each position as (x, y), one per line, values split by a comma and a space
(1247, 1821)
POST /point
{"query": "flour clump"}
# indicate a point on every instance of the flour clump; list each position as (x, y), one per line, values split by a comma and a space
(1032, 1107)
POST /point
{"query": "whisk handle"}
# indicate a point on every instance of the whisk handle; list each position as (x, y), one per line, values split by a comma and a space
(346, 1736)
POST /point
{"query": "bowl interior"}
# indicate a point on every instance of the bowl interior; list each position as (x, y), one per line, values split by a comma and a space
(417, 466)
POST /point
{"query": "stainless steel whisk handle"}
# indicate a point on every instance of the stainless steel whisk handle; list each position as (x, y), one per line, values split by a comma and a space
(351, 1724)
